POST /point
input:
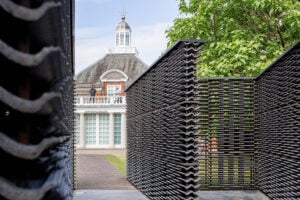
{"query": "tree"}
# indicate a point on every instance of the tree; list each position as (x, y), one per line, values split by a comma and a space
(241, 36)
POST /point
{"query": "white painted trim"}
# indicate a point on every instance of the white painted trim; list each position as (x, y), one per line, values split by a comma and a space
(113, 70)
(114, 80)
(106, 146)
(82, 129)
(115, 86)
(118, 146)
(111, 130)
(87, 89)
(111, 144)
(97, 129)
(123, 130)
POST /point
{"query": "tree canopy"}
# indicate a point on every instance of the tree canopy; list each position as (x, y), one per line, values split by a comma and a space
(241, 36)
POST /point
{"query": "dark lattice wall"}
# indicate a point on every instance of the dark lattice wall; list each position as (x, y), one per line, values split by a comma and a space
(247, 129)
(226, 138)
(162, 144)
(278, 127)
(36, 100)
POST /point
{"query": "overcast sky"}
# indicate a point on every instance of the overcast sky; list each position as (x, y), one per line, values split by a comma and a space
(96, 20)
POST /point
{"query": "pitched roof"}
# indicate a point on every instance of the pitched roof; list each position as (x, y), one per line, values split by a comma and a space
(131, 65)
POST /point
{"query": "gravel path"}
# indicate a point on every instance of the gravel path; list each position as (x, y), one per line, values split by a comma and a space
(95, 172)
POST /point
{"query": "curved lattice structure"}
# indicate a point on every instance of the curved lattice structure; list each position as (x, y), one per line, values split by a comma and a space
(226, 133)
(162, 144)
(278, 127)
(242, 133)
(36, 100)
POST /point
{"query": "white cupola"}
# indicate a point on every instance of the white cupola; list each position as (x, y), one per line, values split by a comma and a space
(123, 38)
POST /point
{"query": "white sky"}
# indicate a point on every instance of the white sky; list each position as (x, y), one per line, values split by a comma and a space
(95, 22)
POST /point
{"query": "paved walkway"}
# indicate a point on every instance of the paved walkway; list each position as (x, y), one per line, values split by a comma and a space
(108, 195)
(136, 195)
(232, 195)
(97, 179)
(95, 172)
(99, 151)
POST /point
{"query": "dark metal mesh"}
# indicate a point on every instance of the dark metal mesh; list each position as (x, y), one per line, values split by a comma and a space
(278, 126)
(247, 129)
(36, 100)
(226, 138)
(162, 144)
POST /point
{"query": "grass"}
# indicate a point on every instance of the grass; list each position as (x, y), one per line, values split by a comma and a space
(230, 176)
(118, 161)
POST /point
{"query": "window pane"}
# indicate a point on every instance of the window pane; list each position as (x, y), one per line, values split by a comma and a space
(121, 38)
(110, 90)
(103, 128)
(113, 90)
(77, 128)
(117, 39)
(127, 39)
(117, 128)
(90, 129)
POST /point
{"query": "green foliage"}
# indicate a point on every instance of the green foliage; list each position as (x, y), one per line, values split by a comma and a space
(118, 161)
(241, 36)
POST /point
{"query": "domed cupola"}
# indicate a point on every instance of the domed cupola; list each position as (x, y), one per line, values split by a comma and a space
(123, 38)
(123, 25)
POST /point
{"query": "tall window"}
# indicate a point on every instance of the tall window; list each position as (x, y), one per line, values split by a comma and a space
(77, 127)
(121, 38)
(127, 39)
(117, 39)
(103, 128)
(113, 90)
(90, 129)
(117, 128)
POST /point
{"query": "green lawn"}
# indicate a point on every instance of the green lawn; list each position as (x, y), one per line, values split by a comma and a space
(230, 176)
(118, 161)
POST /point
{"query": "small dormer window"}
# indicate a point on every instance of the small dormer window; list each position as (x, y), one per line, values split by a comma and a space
(113, 90)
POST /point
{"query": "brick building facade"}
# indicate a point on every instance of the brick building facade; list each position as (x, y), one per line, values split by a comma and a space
(100, 121)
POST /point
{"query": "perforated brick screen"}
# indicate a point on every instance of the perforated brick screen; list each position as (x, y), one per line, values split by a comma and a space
(278, 127)
(242, 133)
(226, 135)
(36, 100)
(162, 134)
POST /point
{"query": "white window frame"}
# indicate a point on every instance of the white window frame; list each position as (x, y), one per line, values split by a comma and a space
(103, 134)
(96, 129)
(122, 39)
(113, 86)
(127, 39)
(120, 127)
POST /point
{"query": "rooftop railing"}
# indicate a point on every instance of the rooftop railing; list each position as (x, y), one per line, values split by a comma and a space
(100, 100)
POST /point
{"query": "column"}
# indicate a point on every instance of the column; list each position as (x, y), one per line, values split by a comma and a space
(97, 130)
(82, 130)
(123, 130)
(111, 130)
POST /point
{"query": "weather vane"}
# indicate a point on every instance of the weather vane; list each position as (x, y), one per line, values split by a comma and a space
(123, 13)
